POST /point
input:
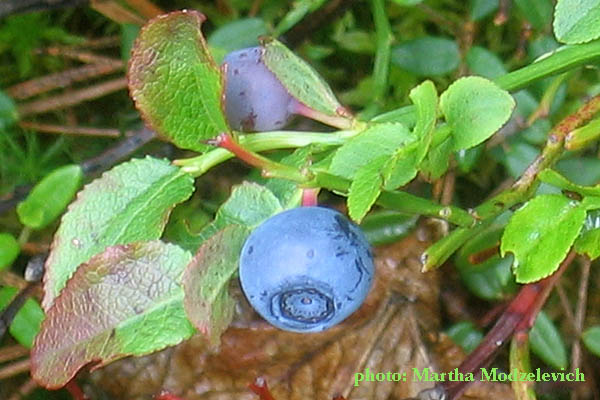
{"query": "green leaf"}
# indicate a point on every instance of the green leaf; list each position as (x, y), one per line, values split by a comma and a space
(129, 203)
(539, 13)
(385, 227)
(9, 250)
(482, 8)
(466, 335)
(377, 140)
(237, 34)
(8, 111)
(129, 33)
(540, 234)
(591, 339)
(436, 163)
(365, 188)
(475, 108)
(547, 343)
(577, 21)
(580, 170)
(206, 280)
(249, 205)
(288, 192)
(174, 81)
(483, 62)
(584, 136)
(555, 179)
(127, 300)
(402, 167)
(588, 242)
(300, 79)
(26, 323)
(48, 199)
(467, 159)
(427, 56)
(492, 278)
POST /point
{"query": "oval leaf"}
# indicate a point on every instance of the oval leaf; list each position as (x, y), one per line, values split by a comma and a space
(300, 79)
(207, 301)
(125, 301)
(577, 21)
(475, 108)
(26, 323)
(249, 205)
(427, 56)
(591, 339)
(9, 250)
(489, 279)
(129, 203)
(50, 197)
(465, 334)
(378, 140)
(547, 343)
(365, 188)
(238, 34)
(540, 235)
(174, 81)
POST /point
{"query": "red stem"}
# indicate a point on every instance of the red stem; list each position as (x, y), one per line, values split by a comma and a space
(75, 391)
(309, 197)
(519, 316)
(164, 395)
(259, 386)
(224, 140)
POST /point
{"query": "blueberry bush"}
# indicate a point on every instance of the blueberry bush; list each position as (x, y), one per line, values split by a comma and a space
(474, 124)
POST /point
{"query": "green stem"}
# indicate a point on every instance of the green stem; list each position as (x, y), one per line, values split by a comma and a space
(521, 190)
(400, 201)
(197, 166)
(383, 33)
(563, 59)
(268, 167)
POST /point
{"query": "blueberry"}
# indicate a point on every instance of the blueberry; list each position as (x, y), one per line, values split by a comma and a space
(255, 100)
(306, 269)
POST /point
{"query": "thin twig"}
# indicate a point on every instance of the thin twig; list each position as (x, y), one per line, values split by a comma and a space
(8, 278)
(16, 368)
(117, 12)
(99, 43)
(448, 188)
(580, 317)
(518, 316)
(10, 353)
(76, 53)
(72, 98)
(62, 79)
(70, 130)
(565, 304)
(145, 8)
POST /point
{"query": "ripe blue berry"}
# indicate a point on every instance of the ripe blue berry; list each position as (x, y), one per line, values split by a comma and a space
(306, 269)
(255, 100)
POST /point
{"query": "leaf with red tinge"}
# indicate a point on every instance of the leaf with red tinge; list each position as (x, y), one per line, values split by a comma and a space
(125, 301)
(129, 203)
(207, 301)
(174, 81)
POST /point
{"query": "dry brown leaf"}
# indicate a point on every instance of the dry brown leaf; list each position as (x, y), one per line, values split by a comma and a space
(396, 330)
